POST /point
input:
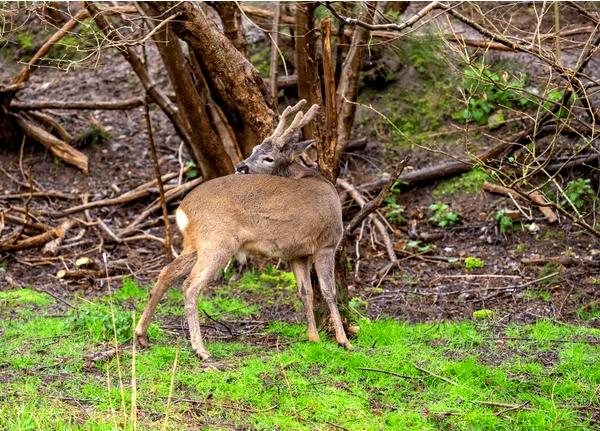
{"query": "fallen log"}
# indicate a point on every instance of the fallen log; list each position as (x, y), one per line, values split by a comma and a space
(57, 146)
(108, 105)
(34, 241)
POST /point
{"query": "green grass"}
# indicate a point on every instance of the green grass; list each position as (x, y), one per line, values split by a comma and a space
(470, 182)
(454, 375)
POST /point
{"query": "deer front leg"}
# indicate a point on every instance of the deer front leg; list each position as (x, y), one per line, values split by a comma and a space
(324, 265)
(301, 269)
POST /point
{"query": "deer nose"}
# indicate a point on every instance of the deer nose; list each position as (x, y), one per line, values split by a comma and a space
(242, 168)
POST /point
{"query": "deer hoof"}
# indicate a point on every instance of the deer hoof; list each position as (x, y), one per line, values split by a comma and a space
(346, 345)
(202, 354)
(142, 340)
(313, 338)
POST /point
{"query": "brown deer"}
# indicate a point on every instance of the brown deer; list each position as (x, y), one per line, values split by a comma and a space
(281, 209)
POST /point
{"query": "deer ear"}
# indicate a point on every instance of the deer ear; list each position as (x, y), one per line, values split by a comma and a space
(302, 146)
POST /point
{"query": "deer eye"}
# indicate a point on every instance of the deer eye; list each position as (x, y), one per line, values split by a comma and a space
(268, 159)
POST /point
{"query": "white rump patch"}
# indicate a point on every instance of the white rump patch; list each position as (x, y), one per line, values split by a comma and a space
(181, 219)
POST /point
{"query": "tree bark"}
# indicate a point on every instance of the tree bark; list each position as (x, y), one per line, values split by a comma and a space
(206, 144)
(231, 17)
(309, 84)
(236, 84)
(347, 91)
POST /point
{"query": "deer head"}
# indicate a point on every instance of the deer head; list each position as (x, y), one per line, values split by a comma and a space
(277, 154)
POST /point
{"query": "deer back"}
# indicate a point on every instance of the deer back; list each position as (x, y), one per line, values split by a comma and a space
(277, 216)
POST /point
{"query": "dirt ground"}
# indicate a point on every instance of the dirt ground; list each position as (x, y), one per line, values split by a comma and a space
(429, 287)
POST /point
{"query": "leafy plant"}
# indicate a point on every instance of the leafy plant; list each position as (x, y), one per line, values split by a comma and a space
(471, 181)
(577, 192)
(546, 271)
(25, 40)
(394, 212)
(473, 263)
(505, 223)
(94, 134)
(192, 171)
(486, 90)
(442, 216)
(96, 320)
(420, 247)
(483, 314)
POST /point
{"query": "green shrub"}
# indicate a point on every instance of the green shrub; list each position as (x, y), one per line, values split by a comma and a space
(473, 263)
(442, 216)
(578, 192)
(505, 223)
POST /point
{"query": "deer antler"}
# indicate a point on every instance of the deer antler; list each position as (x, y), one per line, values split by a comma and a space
(281, 137)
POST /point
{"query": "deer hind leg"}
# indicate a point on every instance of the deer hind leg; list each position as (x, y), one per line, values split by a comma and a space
(324, 265)
(205, 270)
(301, 268)
(170, 274)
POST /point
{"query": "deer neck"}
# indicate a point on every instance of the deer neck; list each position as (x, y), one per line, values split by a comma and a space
(297, 171)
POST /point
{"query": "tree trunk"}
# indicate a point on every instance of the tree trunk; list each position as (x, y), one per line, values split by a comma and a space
(231, 17)
(206, 144)
(309, 84)
(347, 91)
(236, 84)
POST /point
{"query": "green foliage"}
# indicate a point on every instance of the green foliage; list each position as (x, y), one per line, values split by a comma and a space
(94, 134)
(487, 90)
(483, 314)
(394, 212)
(77, 46)
(274, 386)
(223, 305)
(419, 246)
(130, 289)
(521, 248)
(25, 41)
(548, 269)
(471, 182)
(12, 298)
(261, 60)
(442, 216)
(358, 306)
(473, 263)
(101, 323)
(425, 55)
(590, 311)
(579, 193)
(193, 171)
(505, 223)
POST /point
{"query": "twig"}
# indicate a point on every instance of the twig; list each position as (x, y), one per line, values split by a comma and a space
(274, 54)
(224, 406)
(137, 193)
(555, 340)
(170, 195)
(535, 197)
(161, 189)
(375, 203)
(58, 298)
(23, 75)
(357, 196)
(391, 373)
(432, 374)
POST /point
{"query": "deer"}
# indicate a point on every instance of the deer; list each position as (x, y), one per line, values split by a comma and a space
(272, 205)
